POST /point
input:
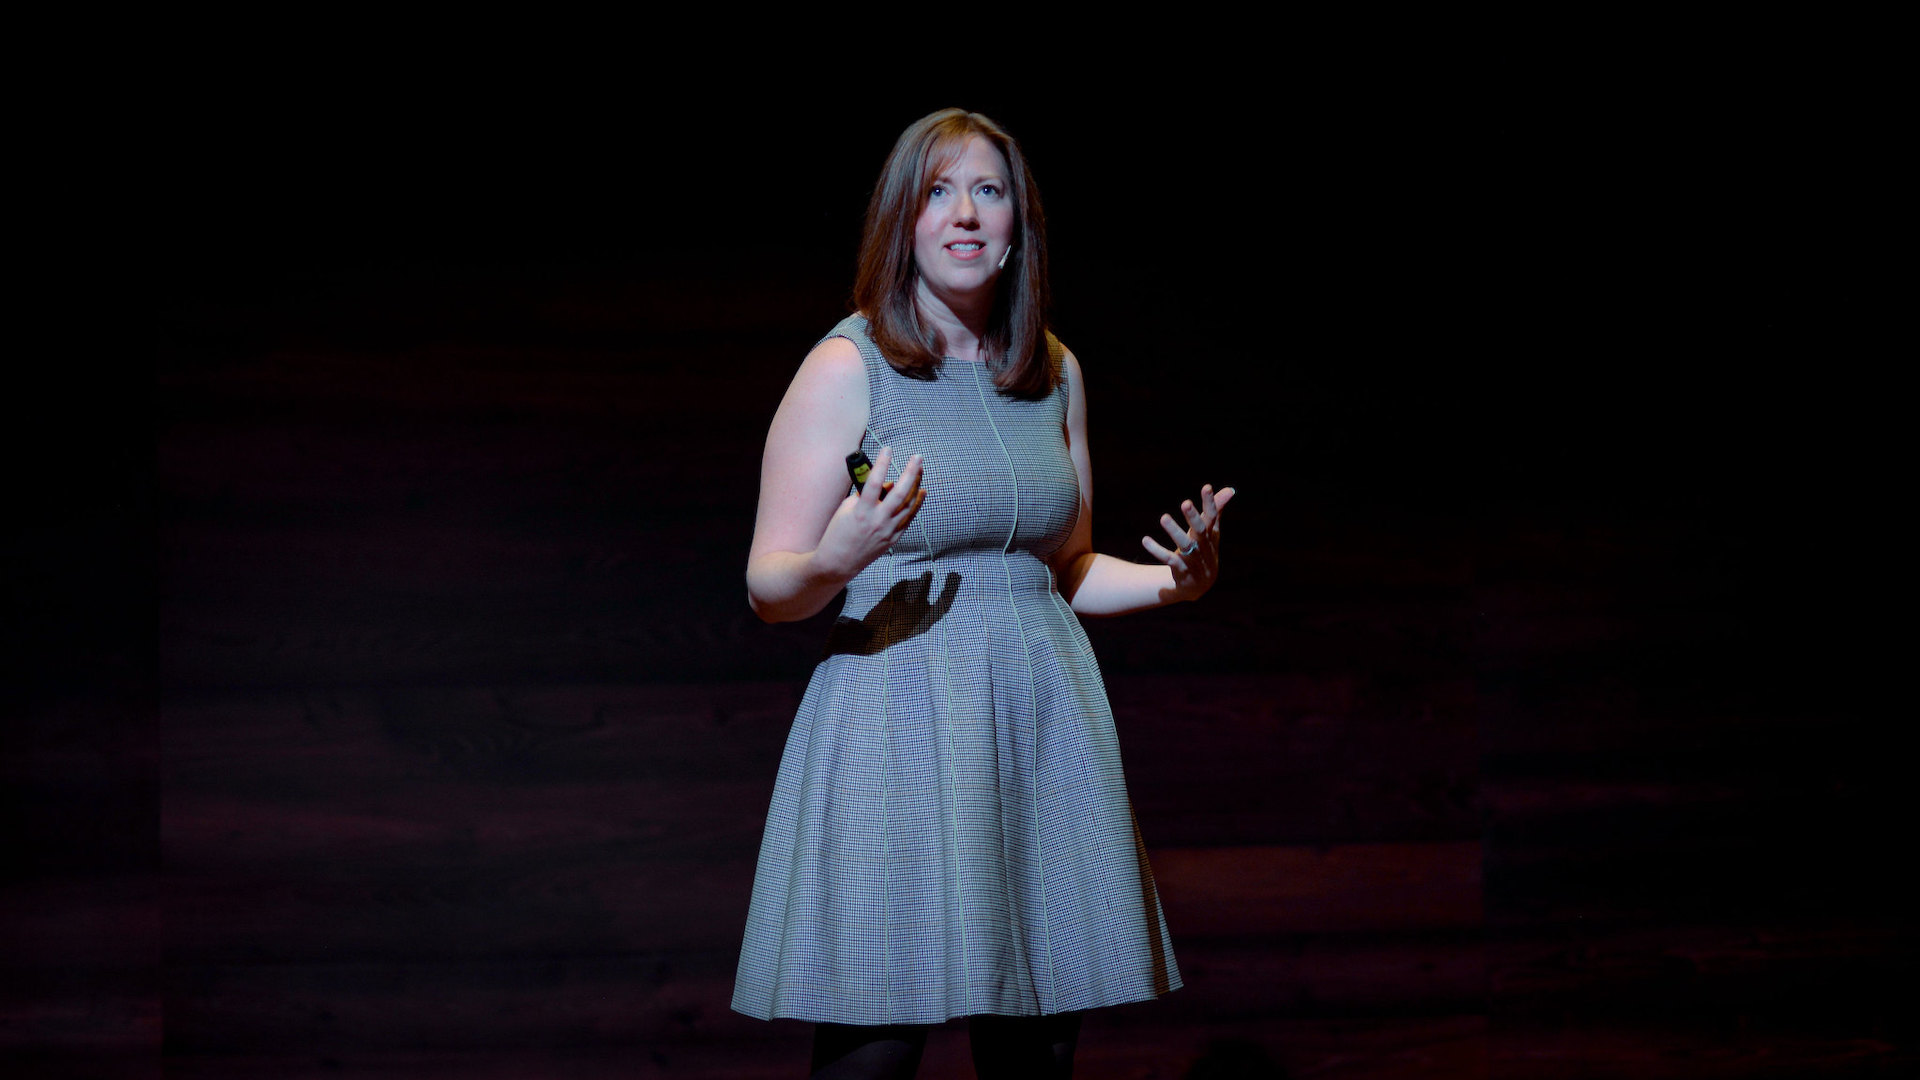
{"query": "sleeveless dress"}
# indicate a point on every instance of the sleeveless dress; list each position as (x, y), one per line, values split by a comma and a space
(950, 833)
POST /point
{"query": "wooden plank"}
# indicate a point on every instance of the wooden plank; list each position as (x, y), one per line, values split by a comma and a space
(1411, 1048)
(1338, 889)
(623, 817)
(81, 995)
(417, 901)
(1673, 1052)
(539, 998)
(1112, 1047)
(681, 996)
(108, 921)
(1801, 973)
(1224, 760)
(575, 902)
(1328, 974)
(329, 742)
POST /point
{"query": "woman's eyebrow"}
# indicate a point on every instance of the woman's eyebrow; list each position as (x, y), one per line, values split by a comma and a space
(948, 178)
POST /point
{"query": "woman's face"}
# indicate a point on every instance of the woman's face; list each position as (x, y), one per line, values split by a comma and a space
(968, 223)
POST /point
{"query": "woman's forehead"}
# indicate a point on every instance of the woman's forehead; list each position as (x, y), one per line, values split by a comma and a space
(946, 154)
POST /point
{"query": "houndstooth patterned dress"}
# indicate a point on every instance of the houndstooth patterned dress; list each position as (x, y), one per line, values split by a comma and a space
(950, 832)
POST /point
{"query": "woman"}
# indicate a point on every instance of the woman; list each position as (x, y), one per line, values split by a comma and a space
(950, 833)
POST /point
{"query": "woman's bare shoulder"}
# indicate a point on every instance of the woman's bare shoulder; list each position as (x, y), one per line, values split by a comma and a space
(836, 357)
(827, 399)
(834, 369)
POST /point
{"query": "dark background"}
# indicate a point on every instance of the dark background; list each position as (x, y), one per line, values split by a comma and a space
(389, 704)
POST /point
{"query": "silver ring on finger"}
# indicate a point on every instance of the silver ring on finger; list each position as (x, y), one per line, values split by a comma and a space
(1192, 546)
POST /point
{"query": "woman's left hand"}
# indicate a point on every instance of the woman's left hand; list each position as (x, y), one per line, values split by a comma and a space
(1195, 558)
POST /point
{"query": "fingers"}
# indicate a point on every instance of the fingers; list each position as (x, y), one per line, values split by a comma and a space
(899, 496)
(1195, 552)
(1171, 558)
(1212, 502)
(876, 479)
(913, 508)
(1182, 540)
(1203, 520)
(1194, 519)
(904, 490)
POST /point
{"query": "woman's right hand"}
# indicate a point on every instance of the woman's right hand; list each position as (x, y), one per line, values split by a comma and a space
(867, 521)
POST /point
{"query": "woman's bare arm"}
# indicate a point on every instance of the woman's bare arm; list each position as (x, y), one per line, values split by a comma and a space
(810, 537)
(1096, 584)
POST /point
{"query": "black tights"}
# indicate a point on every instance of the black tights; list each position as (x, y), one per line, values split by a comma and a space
(1004, 1048)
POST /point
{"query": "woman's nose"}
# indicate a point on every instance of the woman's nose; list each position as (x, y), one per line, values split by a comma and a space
(963, 212)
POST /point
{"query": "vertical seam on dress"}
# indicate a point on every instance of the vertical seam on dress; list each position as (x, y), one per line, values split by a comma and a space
(886, 769)
(1033, 697)
(953, 798)
(886, 799)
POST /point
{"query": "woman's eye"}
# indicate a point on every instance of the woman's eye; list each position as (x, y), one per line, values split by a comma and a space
(990, 189)
(936, 191)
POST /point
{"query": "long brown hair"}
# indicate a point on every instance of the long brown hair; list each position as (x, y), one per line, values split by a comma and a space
(1016, 339)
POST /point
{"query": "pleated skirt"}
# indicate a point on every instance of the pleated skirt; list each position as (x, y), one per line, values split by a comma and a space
(950, 832)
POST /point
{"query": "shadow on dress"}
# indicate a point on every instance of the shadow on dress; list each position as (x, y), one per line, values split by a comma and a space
(906, 611)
